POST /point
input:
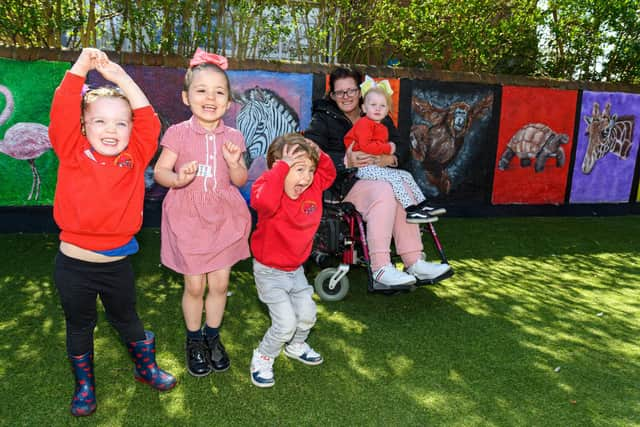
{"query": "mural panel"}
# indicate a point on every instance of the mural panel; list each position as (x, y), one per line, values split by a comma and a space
(534, 145)
(461, 148)
(451, 139)
(266, 104)
(269, 104)
(607, 148)
(27, 161)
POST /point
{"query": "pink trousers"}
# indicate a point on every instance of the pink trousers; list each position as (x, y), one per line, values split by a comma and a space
(385, 219)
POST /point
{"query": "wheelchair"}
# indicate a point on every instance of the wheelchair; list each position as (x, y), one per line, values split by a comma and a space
(341, 240)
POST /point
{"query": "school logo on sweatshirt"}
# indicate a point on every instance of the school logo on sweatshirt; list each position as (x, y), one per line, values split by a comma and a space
(309, 207)
(124, 160)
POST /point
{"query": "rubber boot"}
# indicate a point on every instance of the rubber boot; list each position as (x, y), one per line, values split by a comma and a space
(84, 398)
(143, 354)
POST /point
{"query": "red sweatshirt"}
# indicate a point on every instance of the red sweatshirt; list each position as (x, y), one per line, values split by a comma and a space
(285, 230)
(99, 200)
(369, 136)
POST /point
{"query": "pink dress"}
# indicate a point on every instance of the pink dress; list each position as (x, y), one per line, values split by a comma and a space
(205, 224)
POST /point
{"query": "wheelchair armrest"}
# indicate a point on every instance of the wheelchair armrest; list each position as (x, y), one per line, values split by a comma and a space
(345, 178)
(347, 172)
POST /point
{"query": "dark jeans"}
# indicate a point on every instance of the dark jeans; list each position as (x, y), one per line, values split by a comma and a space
(79, 282)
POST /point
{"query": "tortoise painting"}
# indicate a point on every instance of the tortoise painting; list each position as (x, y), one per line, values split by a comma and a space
(534, 141)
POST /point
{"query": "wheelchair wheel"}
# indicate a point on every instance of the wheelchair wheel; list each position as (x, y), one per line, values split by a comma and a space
(322, 286)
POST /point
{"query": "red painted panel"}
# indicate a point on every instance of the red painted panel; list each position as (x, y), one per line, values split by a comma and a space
(522, 106)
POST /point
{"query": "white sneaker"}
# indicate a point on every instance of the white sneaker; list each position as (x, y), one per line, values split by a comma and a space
(304, 353)
(423, 270)
(391, 276)
(262, 370)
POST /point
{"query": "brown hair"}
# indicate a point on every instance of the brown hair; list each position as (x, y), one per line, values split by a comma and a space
(188, 77)
(274, 152)
(343, 73)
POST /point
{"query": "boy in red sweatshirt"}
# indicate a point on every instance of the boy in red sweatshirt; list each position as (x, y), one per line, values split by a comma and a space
(288, 201)
(104, 140)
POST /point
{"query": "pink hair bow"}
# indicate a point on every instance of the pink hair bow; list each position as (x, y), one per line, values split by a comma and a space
(203, 57)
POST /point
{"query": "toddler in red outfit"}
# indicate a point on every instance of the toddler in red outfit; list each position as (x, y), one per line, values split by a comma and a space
(104, 141)
(370, 136)
(288, 201)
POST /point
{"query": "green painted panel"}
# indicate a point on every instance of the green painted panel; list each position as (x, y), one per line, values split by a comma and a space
(31, 85)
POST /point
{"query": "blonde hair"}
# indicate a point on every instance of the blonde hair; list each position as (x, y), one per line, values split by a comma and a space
(103, 92)
(382, 92)
(274, 152)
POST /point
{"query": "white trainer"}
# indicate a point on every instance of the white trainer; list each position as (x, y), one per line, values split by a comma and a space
(262, 370)
(391, 276)
(304, 353)
(423, 270)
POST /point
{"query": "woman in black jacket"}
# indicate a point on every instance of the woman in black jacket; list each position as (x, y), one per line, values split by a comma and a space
(331, 119)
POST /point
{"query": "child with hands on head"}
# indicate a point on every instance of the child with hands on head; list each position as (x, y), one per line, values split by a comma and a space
(288, 201)
(370, 136)
(104, 141)
(205, 220)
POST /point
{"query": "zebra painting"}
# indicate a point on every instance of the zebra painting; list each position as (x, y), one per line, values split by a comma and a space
(607, 134)
(263, 116)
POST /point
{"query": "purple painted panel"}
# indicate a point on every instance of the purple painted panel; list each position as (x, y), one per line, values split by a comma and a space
(294, 88)
(163, 87)
(611, 178)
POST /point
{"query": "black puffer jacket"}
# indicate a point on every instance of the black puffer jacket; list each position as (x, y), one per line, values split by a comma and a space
(329, 125)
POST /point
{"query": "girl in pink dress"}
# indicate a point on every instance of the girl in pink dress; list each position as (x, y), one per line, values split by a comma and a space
(205, 220)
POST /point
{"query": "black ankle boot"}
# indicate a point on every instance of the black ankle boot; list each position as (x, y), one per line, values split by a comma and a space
(217, 355)
(197, 360)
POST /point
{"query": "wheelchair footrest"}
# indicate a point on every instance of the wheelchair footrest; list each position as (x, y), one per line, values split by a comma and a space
(435, 280)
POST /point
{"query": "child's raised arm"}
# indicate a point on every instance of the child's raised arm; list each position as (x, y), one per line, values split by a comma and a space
(326, 171)
(88, 60)
(117, 75)
(267, 190)
(65, 123)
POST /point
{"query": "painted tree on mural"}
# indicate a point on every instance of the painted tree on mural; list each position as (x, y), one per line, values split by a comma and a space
(569, 39)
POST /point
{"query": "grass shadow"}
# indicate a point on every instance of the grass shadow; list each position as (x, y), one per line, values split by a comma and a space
(537, 327)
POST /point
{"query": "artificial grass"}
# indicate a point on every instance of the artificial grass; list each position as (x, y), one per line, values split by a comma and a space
(538, 327)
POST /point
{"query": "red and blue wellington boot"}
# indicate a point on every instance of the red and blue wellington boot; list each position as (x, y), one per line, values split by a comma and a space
(84, 398)
(143, 354)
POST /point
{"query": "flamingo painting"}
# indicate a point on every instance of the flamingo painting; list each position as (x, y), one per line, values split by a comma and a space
(24, 141)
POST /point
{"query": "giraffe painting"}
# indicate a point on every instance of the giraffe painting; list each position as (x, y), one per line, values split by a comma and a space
(607, 134)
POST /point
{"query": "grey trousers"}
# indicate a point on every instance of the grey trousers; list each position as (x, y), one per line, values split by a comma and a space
(287, 295)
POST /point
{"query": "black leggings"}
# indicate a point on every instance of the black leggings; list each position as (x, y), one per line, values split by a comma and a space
(79, 282)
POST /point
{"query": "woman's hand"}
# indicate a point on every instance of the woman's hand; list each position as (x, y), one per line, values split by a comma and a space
(384, 160)
(358, 159)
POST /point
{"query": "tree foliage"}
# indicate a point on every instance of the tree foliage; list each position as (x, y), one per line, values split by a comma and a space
(569, 39)
(591, 40)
